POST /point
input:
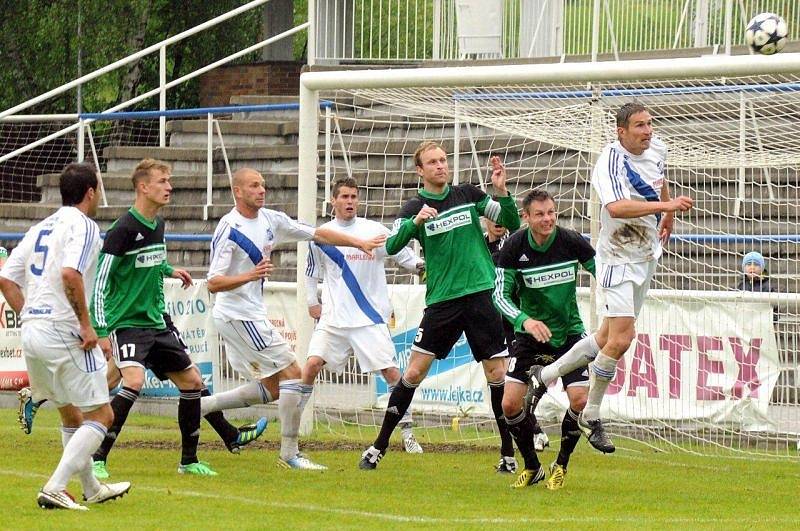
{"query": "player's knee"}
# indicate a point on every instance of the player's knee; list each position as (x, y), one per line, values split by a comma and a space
(133, 380)
(577, 403)
(512, 405)
(312, 367)
(619, 343)
(104, 415)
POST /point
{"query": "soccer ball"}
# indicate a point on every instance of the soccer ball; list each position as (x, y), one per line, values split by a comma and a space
(766, 33)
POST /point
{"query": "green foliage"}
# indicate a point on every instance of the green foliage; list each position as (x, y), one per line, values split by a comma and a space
(631, 489)
(39, 48)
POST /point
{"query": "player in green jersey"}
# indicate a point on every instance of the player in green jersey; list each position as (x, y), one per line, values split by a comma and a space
(540, 265)
(445, 220)
(128, 313)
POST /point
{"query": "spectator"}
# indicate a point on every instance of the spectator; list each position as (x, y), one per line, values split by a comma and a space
(754, 274)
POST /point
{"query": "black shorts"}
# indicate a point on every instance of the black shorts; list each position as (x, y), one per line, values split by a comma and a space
(473, 315)
(161, 351)
(528, 351)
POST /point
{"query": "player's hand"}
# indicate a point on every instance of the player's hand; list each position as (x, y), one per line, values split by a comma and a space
(420, 267)
(538, 330)
(681, 203)
(665, 230)
(373, 243)
(498, 175)
(315, 311)
(262, 270)
(105, 345)
(184, 276)
(88, 337)
(424, 214)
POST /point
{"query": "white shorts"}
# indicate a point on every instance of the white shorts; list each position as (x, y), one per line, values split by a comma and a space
(59, 370)
(623, 288)
(255, 349)
(371, 344)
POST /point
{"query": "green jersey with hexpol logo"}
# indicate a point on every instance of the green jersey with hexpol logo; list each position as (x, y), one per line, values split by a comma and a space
(457, 260)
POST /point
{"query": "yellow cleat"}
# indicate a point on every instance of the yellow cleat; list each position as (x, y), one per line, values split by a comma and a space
(557, 475)
(528, 477)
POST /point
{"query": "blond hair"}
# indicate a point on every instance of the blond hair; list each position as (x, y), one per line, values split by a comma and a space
(422, 148)
(146, 168)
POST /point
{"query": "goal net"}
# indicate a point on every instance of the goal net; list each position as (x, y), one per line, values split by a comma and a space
(714, 367)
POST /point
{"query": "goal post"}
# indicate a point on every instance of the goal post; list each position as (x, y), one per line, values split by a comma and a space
(714, 368)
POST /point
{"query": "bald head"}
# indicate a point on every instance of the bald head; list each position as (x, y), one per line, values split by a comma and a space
(248, 191)
(242, 175)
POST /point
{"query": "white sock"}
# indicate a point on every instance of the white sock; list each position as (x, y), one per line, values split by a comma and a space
(89, 483)
(601, 372)
(580, 355)
(289, 412)
(242, 396)
(77, 454)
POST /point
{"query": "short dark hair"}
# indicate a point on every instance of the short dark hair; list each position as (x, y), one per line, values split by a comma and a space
(626, 111)
(75, 181)
(536, 195)
(349, 182)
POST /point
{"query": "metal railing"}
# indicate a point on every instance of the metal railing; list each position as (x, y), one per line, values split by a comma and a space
(10, 115)
(413, 30)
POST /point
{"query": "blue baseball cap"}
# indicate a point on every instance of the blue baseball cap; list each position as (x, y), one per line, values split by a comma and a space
(753, 257)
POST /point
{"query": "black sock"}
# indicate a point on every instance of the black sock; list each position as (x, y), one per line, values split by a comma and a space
(521, 428)
(496, 390)
(399, 401)
(570, 435)
(121, 405)
(537, 428)
(226, 431)
(189, 422)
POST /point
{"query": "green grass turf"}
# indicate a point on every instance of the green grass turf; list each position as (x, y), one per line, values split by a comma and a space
(456, 489)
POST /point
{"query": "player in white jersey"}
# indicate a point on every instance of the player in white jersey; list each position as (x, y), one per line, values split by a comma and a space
(240, 263)
(636, 219)
(45, 281)
(355, 308)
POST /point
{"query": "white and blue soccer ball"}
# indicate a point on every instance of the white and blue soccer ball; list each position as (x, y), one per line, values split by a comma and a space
(766, 33)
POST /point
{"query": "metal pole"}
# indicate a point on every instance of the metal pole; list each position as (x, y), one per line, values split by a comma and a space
(595, 30)
(311, 47)
(728, 25)
(306, 199)
(162, 95)
(328, 145)
(209, 164)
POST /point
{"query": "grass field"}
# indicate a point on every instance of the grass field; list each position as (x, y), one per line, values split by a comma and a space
(456, 488)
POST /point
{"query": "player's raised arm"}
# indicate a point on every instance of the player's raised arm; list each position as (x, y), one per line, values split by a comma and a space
(333, 237)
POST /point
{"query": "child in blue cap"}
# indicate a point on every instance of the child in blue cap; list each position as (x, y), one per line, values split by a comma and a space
(755, 276)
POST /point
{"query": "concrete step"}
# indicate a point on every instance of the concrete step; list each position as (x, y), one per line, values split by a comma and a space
(124, 159)
(289, 114)
(239, 133)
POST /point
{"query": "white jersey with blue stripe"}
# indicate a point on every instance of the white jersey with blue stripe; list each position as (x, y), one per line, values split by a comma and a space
(354, 291)
(619, 174)
(239, 243)
(67, 238)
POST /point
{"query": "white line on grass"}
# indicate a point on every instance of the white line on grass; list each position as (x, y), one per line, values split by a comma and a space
(761, 520)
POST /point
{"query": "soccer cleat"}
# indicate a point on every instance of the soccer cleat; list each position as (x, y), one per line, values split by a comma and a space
(58, 500)
(411, 445)
(370, 459)
(99, 470)
(199, 468)
(557, 476)
(596, 433)
(300, 462)
(540, 441)
(109, 491)
(528, 477)
(27, 409)
(507, 465)
(536, 388)
(247, 434)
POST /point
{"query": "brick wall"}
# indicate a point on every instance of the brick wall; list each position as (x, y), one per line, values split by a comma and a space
(273, 78)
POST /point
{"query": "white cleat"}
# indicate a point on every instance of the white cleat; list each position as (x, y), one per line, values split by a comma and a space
(58, 500)
(109, 491)
(300, 462)
(411, 444)
(540, 441)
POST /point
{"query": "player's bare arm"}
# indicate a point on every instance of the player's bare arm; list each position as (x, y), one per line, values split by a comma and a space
(13, 294)
(668, 221)
(76, 295)
(261, 271)
(184, 277)
(328, 236)
(498, 176)
(628, 208)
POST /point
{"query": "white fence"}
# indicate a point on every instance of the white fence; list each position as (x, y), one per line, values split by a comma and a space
(412, 30)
